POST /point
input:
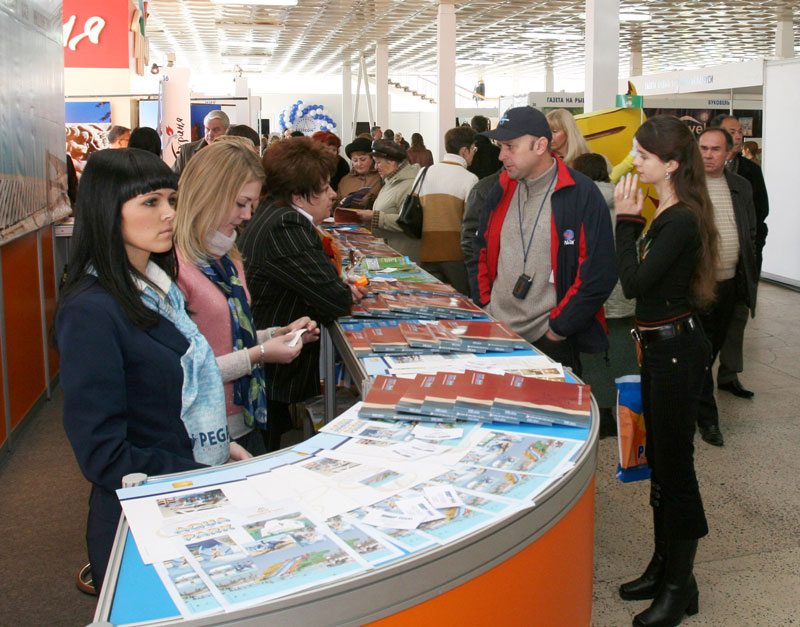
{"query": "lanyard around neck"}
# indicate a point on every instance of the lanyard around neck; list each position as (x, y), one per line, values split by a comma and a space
(526, 249)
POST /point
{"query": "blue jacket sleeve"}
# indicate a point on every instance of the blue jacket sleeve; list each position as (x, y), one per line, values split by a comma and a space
(596, 272)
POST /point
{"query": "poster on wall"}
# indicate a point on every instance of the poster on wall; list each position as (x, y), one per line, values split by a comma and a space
(87, 125)
(698, 119)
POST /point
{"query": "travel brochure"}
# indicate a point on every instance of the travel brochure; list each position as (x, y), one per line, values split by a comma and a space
(477, 395)
(382, 489)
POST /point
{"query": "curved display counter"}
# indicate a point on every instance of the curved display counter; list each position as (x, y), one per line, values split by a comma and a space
(528, 562)
(534, 567)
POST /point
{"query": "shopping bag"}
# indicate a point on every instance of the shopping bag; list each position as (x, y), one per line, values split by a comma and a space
(630, 429)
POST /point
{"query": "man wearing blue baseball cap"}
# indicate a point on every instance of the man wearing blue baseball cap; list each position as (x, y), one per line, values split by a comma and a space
(544, 250)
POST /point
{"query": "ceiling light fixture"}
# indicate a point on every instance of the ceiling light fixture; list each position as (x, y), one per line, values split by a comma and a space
(502, 50)
(632, 16)
(552, 36)
(260, 3)
(241, 43)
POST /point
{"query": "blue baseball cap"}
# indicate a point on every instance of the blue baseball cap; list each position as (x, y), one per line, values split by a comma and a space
(520, 121)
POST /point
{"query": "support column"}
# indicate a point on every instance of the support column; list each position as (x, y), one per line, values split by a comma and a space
(446, 69)
(636, 57)
(242, 109)
(784, 38)
(602, 54)
(382, 84)
(346, 130)
(548, 76)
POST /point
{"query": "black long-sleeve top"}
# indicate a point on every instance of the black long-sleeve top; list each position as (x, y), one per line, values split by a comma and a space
(658, 272)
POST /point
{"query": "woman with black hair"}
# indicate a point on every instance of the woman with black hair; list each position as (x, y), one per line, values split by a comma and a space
(142, 390)
(670, 273)
(145, 138)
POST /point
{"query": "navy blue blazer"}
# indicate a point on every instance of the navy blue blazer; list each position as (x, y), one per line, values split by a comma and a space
(122, 399)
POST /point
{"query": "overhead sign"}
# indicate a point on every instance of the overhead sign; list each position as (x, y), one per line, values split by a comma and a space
(731, 76)
(96, 33)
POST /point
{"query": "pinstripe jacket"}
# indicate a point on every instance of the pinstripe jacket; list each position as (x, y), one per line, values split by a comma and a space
(290, 276)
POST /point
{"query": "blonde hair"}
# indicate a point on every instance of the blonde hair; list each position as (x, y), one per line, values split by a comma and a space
(562, 120)
(207, 192)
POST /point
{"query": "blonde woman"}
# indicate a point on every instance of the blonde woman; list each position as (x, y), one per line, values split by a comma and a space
(568, 142)
(219, 189)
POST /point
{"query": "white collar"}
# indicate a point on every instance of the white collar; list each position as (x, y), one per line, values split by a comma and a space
(304, 213)
(157, 276)
(449, 157)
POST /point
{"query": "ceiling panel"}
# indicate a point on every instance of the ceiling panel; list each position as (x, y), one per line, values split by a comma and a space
(509, 36)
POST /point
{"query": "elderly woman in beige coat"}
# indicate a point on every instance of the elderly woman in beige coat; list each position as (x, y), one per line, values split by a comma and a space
(398, 177)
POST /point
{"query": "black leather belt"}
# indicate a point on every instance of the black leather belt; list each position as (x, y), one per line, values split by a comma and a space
(649, 335)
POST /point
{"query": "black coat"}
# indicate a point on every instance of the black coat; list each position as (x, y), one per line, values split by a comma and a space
(290, 276)
(745, 215)
(487, 158)
(752, 172)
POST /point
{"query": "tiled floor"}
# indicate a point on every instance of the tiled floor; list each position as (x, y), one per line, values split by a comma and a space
(748, 567)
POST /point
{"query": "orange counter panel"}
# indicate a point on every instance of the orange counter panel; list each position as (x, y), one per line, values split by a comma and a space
(547, 584)
(50, 296)
(23, 325)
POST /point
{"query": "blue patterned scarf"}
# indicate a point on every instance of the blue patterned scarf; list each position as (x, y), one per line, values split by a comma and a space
(249, 391)
(202, 395)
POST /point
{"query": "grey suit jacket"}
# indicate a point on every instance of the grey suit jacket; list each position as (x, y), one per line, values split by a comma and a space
(186, 152)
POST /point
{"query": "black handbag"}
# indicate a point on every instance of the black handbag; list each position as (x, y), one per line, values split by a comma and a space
(410, 217)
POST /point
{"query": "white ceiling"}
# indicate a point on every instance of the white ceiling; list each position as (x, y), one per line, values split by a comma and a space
(316, 35)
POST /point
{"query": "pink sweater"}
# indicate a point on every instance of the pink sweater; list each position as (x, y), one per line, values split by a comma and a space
(208, 307)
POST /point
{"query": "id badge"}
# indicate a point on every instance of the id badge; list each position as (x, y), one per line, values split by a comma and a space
(522, 286)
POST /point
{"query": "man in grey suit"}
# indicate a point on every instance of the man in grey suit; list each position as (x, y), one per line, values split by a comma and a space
(215, 124)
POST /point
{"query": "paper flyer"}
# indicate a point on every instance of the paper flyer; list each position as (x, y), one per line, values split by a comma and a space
(506, 450)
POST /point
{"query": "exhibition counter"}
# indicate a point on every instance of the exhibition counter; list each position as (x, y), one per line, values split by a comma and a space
(526, 563)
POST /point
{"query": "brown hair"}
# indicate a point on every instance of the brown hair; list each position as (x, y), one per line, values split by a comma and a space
(328, 138)
(297, 166)
(670, 139)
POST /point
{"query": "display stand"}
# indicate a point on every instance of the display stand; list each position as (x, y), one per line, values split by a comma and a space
(533, 567)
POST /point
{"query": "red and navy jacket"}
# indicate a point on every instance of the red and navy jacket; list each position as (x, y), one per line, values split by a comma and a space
(581, 250)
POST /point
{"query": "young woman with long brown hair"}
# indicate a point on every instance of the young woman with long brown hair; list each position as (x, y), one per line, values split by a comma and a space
(670, 273)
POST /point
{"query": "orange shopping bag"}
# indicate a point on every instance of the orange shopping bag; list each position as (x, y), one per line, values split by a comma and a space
(630, 429)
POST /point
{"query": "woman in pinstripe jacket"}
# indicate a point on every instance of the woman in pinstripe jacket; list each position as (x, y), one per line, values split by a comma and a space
(287, 269)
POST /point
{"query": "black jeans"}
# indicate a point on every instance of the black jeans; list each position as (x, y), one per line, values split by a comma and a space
(715, 325)
(672, 376)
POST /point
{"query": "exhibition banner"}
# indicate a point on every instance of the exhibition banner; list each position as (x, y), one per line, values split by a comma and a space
(175, 112)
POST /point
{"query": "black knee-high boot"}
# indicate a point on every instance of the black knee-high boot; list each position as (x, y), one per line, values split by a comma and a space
(678, 594)
(646, 586)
